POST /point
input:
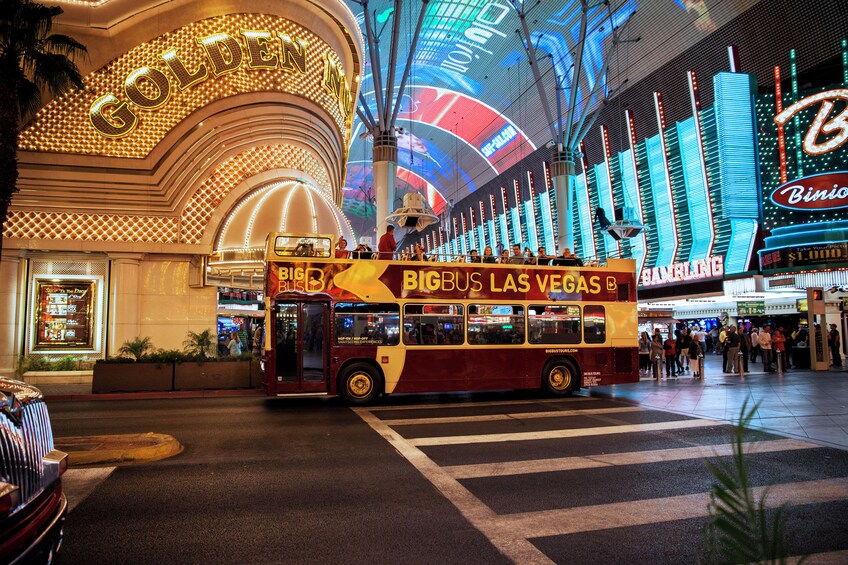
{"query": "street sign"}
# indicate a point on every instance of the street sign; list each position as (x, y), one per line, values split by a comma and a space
(751, 308)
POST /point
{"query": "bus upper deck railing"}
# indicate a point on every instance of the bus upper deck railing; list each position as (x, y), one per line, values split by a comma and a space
(479, 259)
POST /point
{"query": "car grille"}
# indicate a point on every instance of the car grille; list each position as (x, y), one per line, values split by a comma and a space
(23, 447)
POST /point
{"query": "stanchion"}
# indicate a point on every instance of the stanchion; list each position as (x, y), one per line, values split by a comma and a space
(701, 366)
(741, 361)
(778, 355)
(657, 367)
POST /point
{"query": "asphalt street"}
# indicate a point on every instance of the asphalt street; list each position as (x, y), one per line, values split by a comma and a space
(490, 478)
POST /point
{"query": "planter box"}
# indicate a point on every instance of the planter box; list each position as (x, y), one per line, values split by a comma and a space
(132, 377)
(212, 375)
(57, 377)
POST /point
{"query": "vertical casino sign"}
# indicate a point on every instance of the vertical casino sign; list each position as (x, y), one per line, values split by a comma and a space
(804, 170)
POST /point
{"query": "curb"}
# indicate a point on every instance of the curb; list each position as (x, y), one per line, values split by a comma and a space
(153, 395)
(117, 449)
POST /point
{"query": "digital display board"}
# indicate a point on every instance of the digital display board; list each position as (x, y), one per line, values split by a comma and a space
(471, 109)
(64, 315)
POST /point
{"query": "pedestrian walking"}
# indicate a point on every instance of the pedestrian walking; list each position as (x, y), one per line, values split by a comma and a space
(731, 348)
(696, 356)
(765, 348)
(835, 346)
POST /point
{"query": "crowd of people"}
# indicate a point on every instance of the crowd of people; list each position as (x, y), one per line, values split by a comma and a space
(738, 347)
(387, 250)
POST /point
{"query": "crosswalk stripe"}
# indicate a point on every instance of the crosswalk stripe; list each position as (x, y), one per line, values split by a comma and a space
(612, 459)
(512, 416)
(566, 521)
(559, 434)
(577, 399)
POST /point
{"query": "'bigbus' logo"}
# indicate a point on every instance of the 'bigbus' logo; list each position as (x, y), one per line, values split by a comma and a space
(302, 279)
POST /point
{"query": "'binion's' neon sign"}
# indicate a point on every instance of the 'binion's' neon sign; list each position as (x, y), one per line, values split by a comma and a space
(836, 127)
(150, 88)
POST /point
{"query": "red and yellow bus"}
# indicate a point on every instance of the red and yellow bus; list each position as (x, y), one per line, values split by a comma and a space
(359, 328)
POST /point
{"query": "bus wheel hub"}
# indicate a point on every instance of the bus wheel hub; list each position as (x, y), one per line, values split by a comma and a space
(559, 379)
(360, 385)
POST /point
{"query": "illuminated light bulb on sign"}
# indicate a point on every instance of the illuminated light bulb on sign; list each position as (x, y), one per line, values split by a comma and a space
(837, 125)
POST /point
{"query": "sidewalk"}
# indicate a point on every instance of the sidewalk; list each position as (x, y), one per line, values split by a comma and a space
(61, 392)
(799, 403)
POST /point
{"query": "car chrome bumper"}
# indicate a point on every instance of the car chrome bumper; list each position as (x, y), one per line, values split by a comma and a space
(43, 549)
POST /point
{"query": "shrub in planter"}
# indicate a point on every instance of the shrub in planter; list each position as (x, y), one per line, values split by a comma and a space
(139, 368)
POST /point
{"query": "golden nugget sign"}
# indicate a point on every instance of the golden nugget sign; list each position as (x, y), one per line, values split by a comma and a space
(149, 88)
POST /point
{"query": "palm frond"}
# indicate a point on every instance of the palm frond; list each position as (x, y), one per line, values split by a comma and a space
(740, 529)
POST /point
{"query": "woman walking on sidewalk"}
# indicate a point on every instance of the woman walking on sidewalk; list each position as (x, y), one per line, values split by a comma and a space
(696, 355)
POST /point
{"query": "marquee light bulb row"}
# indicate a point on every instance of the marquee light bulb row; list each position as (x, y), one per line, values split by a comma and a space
(192, 79)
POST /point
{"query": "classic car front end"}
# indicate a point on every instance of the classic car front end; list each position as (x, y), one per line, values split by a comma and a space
(32, 504)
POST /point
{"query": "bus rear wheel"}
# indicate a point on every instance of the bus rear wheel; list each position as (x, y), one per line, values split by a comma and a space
(359, 384)
(560, 377)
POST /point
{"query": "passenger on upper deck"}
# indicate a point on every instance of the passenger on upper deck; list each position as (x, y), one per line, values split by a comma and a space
(517, 258)
(542, 258)
(529, 258)
(387, 245)
(504, 257)
(487, 255)
(418, 253)
(568, 259)
(341, 249)
(475, 257)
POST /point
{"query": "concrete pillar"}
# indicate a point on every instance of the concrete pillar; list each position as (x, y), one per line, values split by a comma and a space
(124, 280)
(562, 173)
(12, 293)
(384, 162)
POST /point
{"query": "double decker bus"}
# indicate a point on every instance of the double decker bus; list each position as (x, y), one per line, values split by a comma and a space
(359, 328)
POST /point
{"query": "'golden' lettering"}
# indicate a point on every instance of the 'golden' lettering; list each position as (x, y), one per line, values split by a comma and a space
(184, 78)
(259, 55)
(111, 117)
(224, 52)
(154, 77)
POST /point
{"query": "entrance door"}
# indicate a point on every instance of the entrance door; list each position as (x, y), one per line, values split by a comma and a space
(301, 346)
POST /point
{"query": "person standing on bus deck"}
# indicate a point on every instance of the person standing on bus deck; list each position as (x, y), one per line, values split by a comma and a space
(341, 251)
(835, 345)
(543, 258)
(387, 245)
(487, 255)
(474, 256)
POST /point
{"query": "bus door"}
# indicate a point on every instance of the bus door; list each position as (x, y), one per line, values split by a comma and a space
(301, 346)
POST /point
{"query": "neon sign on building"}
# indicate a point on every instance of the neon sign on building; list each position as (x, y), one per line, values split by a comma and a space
(149, 88)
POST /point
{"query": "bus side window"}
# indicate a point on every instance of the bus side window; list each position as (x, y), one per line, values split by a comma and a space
(366, 324)
(495, 324)
(433, 324)
(594, 324)
(554, 324)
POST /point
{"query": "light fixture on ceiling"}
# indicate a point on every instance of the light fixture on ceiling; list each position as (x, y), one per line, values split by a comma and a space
(414, 214)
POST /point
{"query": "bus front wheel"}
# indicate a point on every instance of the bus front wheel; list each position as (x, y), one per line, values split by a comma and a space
(359, 384)
(560, 377)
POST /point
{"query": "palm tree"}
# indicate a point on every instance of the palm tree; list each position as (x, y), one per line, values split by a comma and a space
(32, 60)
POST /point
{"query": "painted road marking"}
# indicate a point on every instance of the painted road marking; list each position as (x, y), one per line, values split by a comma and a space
(565, 521)
(580, 399)
(558, 434)
(515, 416)
(511, 533)
(614, 459)
(78, 484)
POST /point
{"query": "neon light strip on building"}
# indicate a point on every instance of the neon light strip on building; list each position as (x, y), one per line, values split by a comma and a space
(695, 173)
